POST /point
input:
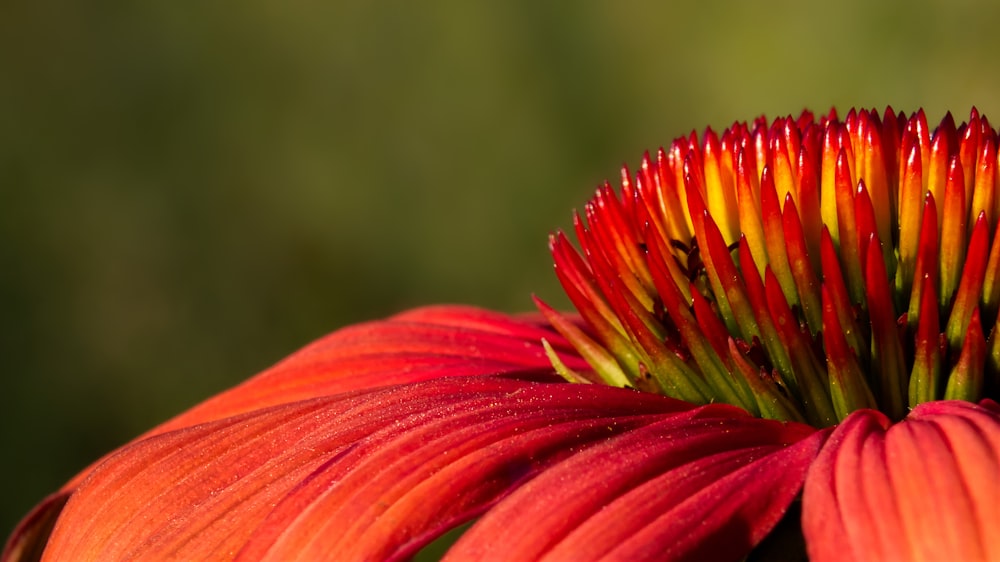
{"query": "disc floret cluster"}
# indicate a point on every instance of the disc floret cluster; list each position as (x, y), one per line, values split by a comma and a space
(800, 269)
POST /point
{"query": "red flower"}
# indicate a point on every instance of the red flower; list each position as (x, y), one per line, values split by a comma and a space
(802, 314)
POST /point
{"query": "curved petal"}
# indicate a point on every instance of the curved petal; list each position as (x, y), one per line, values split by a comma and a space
(925, 488)
(704, 485)
(28, 540)
(420, 344)
(366, 475)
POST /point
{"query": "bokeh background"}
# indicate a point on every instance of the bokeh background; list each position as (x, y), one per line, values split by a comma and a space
(190, 191)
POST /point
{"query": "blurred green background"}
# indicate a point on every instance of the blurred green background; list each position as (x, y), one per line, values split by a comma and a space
(190, 191)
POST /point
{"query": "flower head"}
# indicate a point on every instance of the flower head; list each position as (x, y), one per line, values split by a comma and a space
(810, 308)
(801, 269)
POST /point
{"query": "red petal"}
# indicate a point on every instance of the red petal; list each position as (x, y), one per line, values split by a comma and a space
(425, 343)
(421, 344)
(705, 485)
(367, 475)
(925, 488)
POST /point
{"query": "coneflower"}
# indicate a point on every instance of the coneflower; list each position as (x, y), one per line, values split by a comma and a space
(787, 340)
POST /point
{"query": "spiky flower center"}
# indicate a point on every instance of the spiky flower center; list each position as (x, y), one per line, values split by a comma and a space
(800, 270)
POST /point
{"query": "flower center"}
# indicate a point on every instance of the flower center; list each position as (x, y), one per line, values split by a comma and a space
(801, 269)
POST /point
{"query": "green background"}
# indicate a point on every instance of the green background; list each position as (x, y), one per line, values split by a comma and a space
(190, 191)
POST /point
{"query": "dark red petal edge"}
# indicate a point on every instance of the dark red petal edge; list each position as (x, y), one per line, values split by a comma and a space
(28, 540)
